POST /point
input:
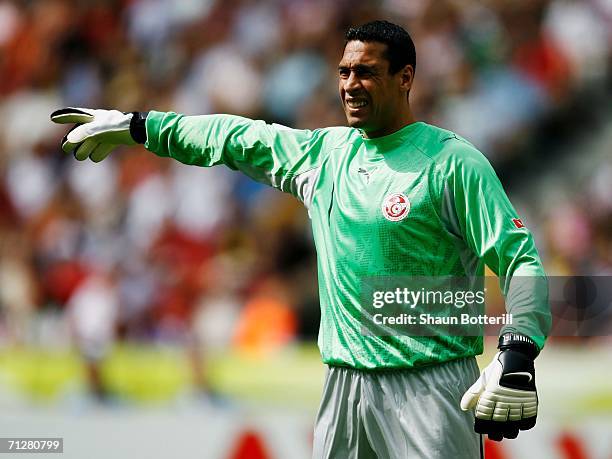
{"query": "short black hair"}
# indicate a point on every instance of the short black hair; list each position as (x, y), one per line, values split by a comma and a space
(400, 47)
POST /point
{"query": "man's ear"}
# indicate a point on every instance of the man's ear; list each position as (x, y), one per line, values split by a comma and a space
(407, 77)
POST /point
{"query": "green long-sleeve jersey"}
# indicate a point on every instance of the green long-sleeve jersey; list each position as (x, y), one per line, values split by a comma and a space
(419, 202)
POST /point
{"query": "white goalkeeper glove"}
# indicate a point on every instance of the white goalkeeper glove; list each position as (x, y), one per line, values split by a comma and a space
(504, 398)
(98, 132)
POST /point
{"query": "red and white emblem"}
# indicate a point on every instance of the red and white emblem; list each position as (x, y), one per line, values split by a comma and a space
(395, 207)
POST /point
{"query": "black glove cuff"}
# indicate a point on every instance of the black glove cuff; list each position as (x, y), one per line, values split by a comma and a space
(518, 342)
(138, 127)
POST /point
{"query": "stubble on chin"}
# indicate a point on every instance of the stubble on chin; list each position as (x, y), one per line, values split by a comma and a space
(354, 122)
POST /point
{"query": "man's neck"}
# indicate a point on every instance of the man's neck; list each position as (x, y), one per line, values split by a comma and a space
(396, 126)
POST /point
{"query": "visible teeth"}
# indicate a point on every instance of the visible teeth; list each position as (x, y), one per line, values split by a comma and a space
(356, 104)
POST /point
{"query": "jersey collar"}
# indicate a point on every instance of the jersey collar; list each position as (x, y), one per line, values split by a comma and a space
(381, 145)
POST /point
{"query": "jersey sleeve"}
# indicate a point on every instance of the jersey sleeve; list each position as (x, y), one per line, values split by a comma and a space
(287, 159)
(492, 230)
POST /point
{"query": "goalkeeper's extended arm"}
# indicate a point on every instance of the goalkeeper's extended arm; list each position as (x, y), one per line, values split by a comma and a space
(504, 398)
(97, 132)
(287, 159)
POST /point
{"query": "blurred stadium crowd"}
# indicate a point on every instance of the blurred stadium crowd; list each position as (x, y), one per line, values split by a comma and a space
(143, 248)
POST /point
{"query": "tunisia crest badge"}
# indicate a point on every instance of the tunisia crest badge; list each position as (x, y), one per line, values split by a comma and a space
(395, 207)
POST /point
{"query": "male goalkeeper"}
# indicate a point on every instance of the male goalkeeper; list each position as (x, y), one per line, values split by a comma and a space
(386, 196)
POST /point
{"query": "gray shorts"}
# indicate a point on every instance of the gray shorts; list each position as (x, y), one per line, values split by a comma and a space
(403, 414)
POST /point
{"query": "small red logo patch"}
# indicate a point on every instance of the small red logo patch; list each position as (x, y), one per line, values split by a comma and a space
(395, 207)
(518, 223)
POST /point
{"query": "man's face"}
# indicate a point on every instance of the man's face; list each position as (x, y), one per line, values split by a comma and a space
(373, 99)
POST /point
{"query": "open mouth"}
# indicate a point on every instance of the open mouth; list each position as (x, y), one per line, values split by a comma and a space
(356, 104)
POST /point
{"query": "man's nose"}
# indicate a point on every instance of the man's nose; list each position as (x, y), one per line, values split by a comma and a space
(351, 83)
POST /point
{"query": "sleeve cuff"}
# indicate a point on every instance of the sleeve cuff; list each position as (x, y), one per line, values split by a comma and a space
(152, 126)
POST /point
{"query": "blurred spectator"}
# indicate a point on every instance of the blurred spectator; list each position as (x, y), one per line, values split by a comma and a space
(92, 313)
